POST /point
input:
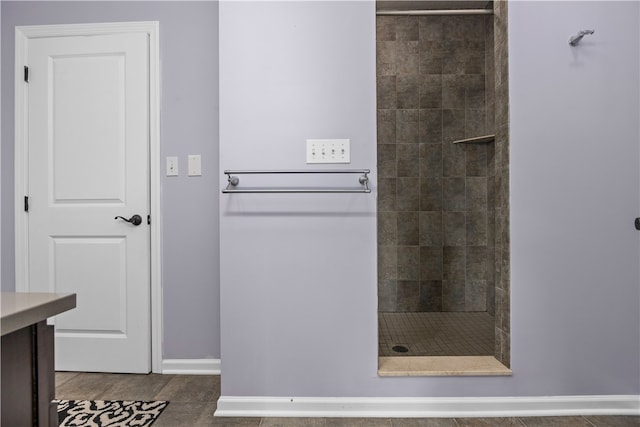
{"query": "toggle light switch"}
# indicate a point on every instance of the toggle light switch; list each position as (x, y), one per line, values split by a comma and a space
(328, 151)
(172, 166)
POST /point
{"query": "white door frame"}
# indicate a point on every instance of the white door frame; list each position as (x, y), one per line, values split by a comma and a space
(23, 34)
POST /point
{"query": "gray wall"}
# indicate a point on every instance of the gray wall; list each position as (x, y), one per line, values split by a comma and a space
(189, 125)
(298, 276)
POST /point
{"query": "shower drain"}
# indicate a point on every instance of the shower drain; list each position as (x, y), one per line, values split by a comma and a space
(400, 349)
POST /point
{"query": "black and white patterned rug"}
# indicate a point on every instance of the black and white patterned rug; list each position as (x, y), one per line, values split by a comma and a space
(108, 413)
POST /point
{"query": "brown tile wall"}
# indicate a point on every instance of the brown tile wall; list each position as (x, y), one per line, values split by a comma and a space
(435, 231)
(501, 184)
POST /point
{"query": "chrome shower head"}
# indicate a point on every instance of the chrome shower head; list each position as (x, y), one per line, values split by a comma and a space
(575, 39)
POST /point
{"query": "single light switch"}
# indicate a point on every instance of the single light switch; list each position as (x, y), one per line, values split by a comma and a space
(195, 165)
(172, 166)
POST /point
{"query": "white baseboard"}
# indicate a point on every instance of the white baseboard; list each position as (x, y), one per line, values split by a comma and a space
(191, 366)
(392, 407)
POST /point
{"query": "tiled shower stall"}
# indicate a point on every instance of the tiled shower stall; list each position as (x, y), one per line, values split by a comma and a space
(442, 206)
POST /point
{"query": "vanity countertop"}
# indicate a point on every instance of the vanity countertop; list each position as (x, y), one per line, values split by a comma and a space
(21, 309)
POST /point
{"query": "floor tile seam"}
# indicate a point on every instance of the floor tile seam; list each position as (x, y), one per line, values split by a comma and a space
(589, 421)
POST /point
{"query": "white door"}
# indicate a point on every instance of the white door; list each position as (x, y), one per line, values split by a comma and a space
(88, 162)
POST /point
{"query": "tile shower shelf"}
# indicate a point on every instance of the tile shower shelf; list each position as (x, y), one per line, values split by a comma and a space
(476, 140)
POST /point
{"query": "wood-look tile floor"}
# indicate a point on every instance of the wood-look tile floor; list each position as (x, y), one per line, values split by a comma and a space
(193, 400)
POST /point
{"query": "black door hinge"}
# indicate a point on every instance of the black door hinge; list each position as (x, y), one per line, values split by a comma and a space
(26, 203)
(149, 219)
(26, 74)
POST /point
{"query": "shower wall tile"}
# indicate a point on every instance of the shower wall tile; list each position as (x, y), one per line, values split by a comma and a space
(407, 126)
(387, 194)
(491, 224)
(453, 63)
(431, 263)
(408, 262)
(491, 299)
(430, 160)
(476, 193)
(431, 194)
(454, 229)
(387, 228)
(475, 91)
(501, 227)
(385, 28)
(387, 262)
(408, 295)
(475, 263)
(387, 164)
(474, 29)
(430, 295)
(453, 263)
(491, 112)
(453, 92)
(453, 125)
(476, 160)
(430, 126)
(407, 94)
(430, 89)
(408, 156)
(474, 63)
(386, 55)
(386, 87)
(387, 295)
(453, 160)
(502, 149)
(407, 57)
(477, 229)
(408, 194)
(475, 295)
(386, 124)
(453, 295)
(454, 194)
(407, 28)
(431, 28)
(505, 305)
(431, 229)
(463, 57)
(408, 226)
(431, 57)
(454, 28)
(475, 122)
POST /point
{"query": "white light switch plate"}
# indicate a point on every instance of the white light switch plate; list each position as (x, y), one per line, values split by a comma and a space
(194, 165)
(328, 151)
(172, 166)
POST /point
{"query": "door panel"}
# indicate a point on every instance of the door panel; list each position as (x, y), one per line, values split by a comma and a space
(88, 163)
(103, 304)
(100, 140)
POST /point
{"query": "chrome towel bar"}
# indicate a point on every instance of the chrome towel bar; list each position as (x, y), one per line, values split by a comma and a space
(233, 181)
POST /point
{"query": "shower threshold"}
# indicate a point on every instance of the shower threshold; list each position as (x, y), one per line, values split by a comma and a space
(415, 366)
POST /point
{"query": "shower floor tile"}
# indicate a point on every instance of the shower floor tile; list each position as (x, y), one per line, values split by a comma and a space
(436, 334)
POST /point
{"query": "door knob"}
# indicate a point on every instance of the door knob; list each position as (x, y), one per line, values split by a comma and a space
(135, 220)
